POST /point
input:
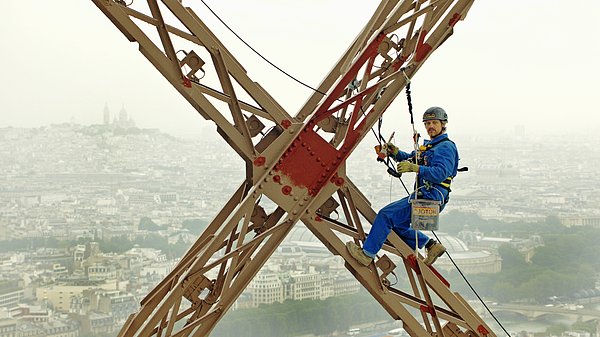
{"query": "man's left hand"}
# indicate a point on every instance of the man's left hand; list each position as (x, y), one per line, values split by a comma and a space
(406, 166)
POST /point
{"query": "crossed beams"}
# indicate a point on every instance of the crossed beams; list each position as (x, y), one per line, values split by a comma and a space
(298, 163)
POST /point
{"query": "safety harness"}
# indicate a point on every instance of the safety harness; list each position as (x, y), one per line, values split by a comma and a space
(448, 181)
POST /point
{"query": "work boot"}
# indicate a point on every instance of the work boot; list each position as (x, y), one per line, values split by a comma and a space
(358, 254)
(433, 252)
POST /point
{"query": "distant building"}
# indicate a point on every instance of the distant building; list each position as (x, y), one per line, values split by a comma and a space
(583, 221)
(96, 323)
(106, 119)
(301, 286)
(11, 295)
(477, 241)
(8, 327)
(61, 296)
(266, 288)
(122, 120)
(477, 261)
(116, 303)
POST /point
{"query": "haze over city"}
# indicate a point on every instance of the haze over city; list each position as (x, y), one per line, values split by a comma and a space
(509, 63)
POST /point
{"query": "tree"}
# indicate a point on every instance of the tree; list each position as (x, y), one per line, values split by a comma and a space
(148, 225)
(195, 226)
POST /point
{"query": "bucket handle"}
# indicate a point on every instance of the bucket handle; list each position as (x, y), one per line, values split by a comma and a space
(435, 188)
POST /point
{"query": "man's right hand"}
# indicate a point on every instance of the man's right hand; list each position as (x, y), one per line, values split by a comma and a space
(390, 149)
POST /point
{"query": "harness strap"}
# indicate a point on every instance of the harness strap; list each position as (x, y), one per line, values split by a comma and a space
(448, 181)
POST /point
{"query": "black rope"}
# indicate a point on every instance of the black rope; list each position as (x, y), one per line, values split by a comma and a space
(409, 100)
(472, 289)
(259, 54)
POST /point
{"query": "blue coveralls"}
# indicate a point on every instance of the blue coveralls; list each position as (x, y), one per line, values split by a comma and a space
(440, 162)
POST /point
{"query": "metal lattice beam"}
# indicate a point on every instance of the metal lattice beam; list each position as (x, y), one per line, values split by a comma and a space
(300, 164)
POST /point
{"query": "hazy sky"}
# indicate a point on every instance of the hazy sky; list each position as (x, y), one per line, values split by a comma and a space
(513, 62)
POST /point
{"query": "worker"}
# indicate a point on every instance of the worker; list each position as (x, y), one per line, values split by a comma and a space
(435, 170)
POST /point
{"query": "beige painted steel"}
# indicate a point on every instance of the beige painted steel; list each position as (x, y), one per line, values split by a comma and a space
(192, 299)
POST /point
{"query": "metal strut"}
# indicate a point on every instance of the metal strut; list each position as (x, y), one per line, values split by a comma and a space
(300, 164)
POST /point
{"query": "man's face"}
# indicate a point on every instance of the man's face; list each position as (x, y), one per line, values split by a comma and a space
(433, 127)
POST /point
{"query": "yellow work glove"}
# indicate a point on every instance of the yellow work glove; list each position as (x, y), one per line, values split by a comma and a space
(390, 149)
(406, 166)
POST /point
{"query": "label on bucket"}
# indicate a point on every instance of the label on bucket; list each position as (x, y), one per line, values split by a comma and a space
(425, 211)
(425, 215)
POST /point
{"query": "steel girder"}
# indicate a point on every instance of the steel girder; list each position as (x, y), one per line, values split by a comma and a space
(299, 164)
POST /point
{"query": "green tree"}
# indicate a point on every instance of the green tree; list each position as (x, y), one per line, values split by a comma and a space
(148, 225)
(195, 226)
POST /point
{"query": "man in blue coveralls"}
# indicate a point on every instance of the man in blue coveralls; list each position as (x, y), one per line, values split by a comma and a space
(439, 165)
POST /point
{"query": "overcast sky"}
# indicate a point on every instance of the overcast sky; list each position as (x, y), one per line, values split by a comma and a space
(514, 62)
